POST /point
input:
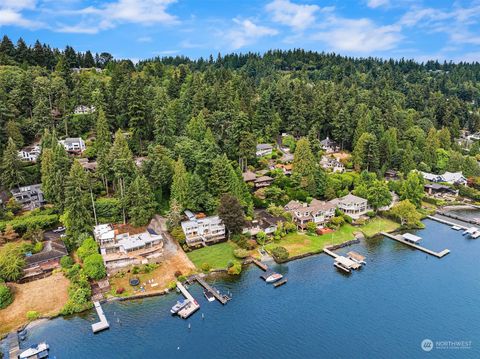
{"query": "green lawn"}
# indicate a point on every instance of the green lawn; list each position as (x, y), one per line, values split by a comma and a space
(377, 225)
(217, 255)
(300, 243)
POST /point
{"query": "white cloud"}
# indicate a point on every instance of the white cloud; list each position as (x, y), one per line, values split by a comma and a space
(145, 12)
(247, 33)
(145, 39)
(11, 13)
(294, 15)
(18, 4)
(359, 36)
(377, 3)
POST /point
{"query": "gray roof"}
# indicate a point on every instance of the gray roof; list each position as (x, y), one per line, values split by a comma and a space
(264, 146)
(51, 250)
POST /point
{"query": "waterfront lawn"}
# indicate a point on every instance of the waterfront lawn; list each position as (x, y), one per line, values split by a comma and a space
(217, 255)
(298, 243)
(378, 224)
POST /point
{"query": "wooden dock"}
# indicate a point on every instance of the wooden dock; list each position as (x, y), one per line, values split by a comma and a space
(280, 283)
(192, 307)
(451, 224)
(103, 323)
(222, 298)
(260, 265)
(398, 238)
(330, 253)
(342, 262)
(14, 345)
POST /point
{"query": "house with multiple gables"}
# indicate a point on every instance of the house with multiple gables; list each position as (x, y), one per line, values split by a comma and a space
(329, 146)
(262, 221)
(30, 197)
(318, 212)
(352, 205)
(332, 164)
(30, 153)
(202, 230)
(447, 177)
(84, 110)
(120, 250)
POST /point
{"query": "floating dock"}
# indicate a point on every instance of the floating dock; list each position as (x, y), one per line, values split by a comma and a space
(192, 307)
(280, 282)
(454, 223)
(343, 263)
(222, 298)
(103, 323)
(400, 239)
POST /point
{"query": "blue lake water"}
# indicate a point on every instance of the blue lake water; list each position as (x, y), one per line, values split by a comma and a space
(385, 310)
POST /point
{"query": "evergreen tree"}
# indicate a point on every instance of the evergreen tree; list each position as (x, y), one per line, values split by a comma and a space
(140, 202)
(13, 131)
(197, 127)
(102, 144)
(412, 188)
(304, 166)
(179, 190)
(231, 213)
(12, 174)
(77, 216)
(366, 155)
(121, 161)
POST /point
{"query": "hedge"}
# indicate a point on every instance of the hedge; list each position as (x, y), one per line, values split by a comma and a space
(22, 223)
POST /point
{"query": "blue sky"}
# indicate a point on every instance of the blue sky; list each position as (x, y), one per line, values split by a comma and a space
(136, 29)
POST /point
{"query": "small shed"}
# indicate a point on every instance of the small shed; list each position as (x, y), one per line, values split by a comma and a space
(411, 238)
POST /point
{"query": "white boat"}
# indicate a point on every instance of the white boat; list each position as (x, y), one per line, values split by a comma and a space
(470, 231)
(273, 277)
(179, 306)
(210, 297)
(475, 235)
(35, 351)
(456, 228)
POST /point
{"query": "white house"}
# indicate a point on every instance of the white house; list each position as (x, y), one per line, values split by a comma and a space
(122, 250)
(30, 153)
(203, 230)
(447, 177)
(75, 144)
(84, 110)
(352, 205)
(330, 163)
(263, 149)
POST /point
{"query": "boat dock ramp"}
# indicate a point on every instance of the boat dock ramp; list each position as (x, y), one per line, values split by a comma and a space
(14, 345)
(222, 298)
(103, 323)
(412, 240)
(191, 307)
(344, 263)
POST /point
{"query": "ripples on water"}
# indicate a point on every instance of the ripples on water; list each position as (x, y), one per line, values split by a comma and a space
(385, 310)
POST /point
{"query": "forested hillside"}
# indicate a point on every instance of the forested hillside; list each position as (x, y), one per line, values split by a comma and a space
(190, 117)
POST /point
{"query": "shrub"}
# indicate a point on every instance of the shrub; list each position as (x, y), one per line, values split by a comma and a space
(280, 253)
(178, 234)
(178, 273)
(11, 262)
(348, 219)
(32, 315)
(6, 296)
(66, 262)
(120, 290)
(311, 227)
(337, 221)
(240, 253)
(37, 247)
(251, 244)
(261, 237)
(182, 278)
(94, 267)
(22, 223)
(172, 285)
(371, 214)
(88, 247)
(135, 270)
(149, 267)
(205, 267)
(289, 227)
(235, 269)
(109, 210)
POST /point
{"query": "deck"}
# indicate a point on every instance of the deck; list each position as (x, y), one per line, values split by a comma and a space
(103, 323)
(449, 222)
(416, 246)
(222, 298)
(342, 262)
(192, 307)
(260, 265)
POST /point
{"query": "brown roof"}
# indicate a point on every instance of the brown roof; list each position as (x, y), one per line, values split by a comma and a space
(263, 179)
(249, 176)
(53, 249)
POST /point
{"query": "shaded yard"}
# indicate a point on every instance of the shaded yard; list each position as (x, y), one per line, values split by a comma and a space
(47, 296)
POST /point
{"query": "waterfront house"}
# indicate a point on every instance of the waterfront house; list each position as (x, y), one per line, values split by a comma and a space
(121, 250)
(332, 164)
(440, 191)
(30, 197)
(447, 177)
(263, 149)
(203, 231)
(329, 146)
(30, 153)
(84, 110)
(318, 212)
(41, 265)
(352, 205)
(263, 221)
(74, 145)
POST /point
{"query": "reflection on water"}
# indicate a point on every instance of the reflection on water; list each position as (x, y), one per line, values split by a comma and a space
(401, 297)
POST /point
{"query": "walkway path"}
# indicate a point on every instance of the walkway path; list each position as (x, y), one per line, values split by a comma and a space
(399, 238)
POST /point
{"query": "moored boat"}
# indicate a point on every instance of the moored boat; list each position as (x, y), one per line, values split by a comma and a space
(210, 297)
(179, 306)
(35, 351)
(273, 277)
